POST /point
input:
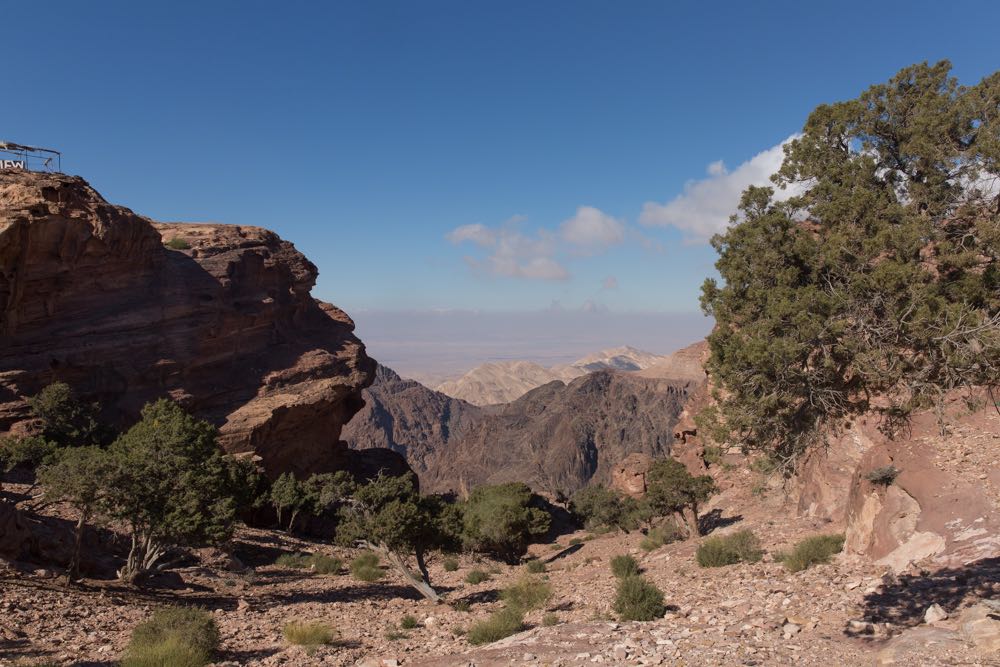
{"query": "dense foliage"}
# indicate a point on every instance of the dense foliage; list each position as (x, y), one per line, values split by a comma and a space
(597, 506)
(168, 485)
(671, 489)
(879, 276)
(638, 600)
(503, 520)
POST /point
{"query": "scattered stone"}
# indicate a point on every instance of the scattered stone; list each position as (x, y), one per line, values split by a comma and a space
(935, 613)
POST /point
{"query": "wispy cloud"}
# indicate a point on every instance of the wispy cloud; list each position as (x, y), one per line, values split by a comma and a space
(513, 253)
(704, 207)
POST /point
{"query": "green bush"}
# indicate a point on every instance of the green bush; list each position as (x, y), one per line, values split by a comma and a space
(178, 243)
(408, 622)
(450, 564)
(659, 536)
(307, 633)
(319, 563)
(535, 566)
(527, 593)
(173, 637)
(503, 623)
(476, 577)
(624, 566)
(503, 520)
(812, 550)
(742, 546)
(638, 600)
(366, 567)
(598, 507)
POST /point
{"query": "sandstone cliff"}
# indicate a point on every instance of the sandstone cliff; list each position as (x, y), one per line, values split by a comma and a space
(217, 317)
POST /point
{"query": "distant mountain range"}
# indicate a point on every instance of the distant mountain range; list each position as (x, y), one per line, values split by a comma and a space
(505, 381)
(560, 435)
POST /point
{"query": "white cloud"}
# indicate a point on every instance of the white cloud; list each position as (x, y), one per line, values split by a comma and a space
(592, 229)
(512, 254)
(704, 207)
(481, 235)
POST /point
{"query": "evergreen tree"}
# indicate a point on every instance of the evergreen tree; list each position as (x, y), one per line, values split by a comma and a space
(879, 277)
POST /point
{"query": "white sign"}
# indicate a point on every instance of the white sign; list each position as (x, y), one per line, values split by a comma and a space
(12, 164)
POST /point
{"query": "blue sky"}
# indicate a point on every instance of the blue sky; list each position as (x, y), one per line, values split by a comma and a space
(428, 156)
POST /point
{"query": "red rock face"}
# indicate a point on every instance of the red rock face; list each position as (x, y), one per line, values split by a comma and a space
(221, 320)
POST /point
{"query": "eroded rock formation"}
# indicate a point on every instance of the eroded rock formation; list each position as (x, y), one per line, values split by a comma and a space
(217, 317)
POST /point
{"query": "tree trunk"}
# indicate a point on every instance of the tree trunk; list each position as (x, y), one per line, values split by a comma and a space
(291, 522)
(421, 585)
(693, 521)
(142, 557)
(73, 571)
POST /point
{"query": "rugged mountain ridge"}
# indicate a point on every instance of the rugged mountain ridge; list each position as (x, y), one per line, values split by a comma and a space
(220, 319)
(499, 382)
(560, 437)
(410, 419)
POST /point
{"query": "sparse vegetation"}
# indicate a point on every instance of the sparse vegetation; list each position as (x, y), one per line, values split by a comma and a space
(476, 577)
(883, 476)
(310, 634)
(535, 566)
(638, 600)
(318, 563)
(550, 619)
(624, 566)
(739, 547)
(657, 537)
(461, 605)
(450, 564)
(813, 550)
(408, 622)
(575, 541)
(177, 243)
(502, 623)
(174, 636)
(527, 593)
(366, 567)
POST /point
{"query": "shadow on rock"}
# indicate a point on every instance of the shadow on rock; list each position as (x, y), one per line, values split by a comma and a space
(904, 599)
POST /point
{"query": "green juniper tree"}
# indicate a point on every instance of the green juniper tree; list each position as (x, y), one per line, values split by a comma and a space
(168, 485)
(880, 277)
(503, 520)
(672, 490)
(78, 476)
(389, 516)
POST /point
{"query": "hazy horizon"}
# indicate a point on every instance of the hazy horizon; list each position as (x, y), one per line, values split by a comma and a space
(431, 346)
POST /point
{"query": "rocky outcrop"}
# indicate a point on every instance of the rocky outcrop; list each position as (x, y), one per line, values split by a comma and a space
(561, 437)
(408, 418)
(943, 507)
(217, 317)
(629, 475)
